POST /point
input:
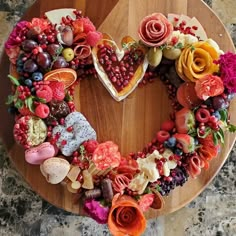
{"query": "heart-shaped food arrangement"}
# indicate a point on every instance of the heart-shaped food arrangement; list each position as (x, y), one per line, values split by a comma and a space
(120, 70)
(49, 56)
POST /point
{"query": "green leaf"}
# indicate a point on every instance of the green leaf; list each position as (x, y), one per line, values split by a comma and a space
(68, 97)
(19, 104)
(215, 138)
(231, 128)
(221, 136)
(207, 131)
(223, 114)
(10, 99)
(179, 46)
(30, 103)
(192, 48)
(14, 80)
(82, 151)
(42, 100)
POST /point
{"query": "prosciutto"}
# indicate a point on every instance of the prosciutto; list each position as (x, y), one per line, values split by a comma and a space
(194, 166)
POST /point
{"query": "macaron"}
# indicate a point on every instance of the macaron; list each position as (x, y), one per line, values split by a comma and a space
(37, 155)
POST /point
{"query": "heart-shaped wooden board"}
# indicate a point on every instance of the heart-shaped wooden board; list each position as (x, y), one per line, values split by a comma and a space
(133, 122)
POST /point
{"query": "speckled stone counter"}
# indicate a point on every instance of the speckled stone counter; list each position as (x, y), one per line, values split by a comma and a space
(22, 212)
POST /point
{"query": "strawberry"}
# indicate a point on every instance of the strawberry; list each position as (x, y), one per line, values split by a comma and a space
(58, 90)
(90, 145)
(184, 121)
(186, 141)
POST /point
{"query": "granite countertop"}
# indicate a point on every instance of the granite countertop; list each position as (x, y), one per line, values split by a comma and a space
(22, 212)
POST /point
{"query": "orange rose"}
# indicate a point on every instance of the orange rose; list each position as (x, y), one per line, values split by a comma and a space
(126, 217)
(106, 155)
(208, 150)
(197, 61)
(209, 86)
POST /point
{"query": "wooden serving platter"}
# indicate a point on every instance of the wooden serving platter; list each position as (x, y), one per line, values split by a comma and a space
(133, 122)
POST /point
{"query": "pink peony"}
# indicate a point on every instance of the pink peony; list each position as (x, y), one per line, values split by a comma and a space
(227, 64)
(12, 40)
(96, 211)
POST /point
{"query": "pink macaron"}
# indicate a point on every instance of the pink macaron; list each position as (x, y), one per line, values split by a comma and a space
(37, 155)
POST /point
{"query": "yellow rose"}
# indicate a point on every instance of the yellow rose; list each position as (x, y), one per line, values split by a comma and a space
(197, 61)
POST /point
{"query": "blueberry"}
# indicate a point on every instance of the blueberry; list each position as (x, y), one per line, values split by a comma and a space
(19, 69)
(19, 63)
(28, 83)
(171, 142)
(178, 152)
(12, 110)
(37, 76)
(166, 144)
(217, 115)
(196, 141)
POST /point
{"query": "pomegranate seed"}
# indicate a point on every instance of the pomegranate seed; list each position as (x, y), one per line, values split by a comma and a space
(70, 129)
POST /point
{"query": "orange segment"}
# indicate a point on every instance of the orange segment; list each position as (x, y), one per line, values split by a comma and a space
(66, 75)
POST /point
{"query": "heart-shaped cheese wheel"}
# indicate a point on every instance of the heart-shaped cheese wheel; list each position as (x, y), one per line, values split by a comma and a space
(55, 169)
(120, 71)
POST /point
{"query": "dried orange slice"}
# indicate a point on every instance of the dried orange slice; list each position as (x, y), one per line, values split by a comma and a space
(66, 75)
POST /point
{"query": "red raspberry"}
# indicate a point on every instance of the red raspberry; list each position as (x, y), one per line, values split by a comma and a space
(58, 90)
(42, 110)
(44, 92)
(90, 146)
(167, 125)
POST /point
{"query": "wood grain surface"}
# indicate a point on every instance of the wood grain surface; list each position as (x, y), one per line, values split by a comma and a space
(133, 122)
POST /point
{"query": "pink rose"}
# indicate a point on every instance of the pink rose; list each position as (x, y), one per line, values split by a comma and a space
(155, 30)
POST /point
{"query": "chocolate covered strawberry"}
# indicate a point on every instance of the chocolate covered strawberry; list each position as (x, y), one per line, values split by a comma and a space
(184, 121)
(187, 142)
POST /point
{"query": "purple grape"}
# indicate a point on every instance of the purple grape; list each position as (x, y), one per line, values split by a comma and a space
(43, 60)
(219, 102)
(60, 63)
(28, 45)
(30, 66)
